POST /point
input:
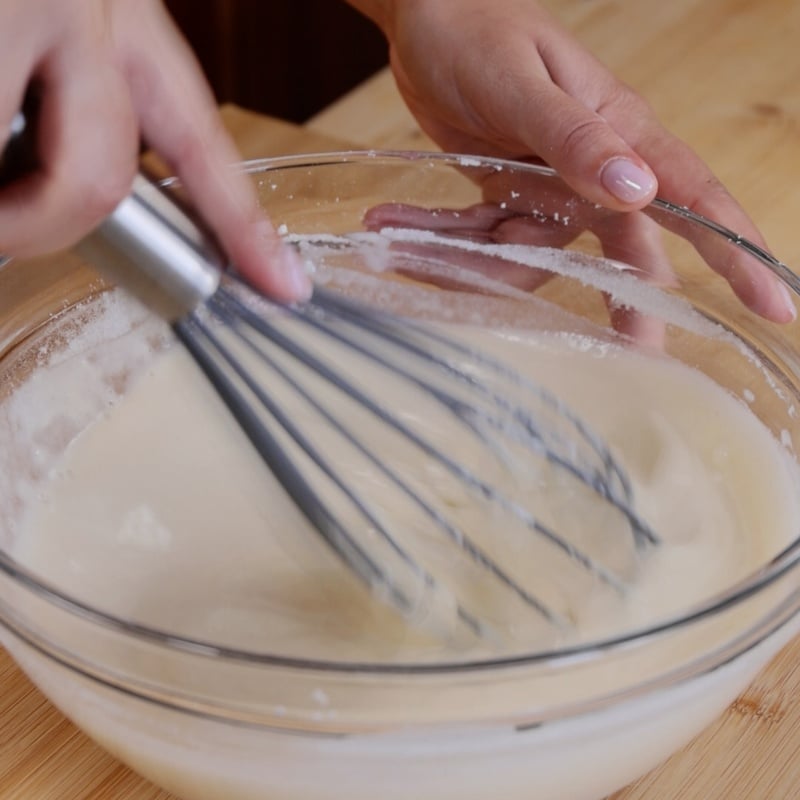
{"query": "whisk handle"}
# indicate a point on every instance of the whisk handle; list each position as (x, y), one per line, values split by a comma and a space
(150, 244)
(154, 248)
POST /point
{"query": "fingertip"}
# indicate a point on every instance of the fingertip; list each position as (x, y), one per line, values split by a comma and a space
(763, 292)
(274, 267)
(294, 275)
(781, 305)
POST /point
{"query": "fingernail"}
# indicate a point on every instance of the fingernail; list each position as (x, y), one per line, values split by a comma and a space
(627, 181)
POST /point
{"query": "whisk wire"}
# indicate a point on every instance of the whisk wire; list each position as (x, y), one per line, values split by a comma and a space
(401, 334)
(290, 477)
(308, 313)
(307, 499)
(259, 330)
(474, 403)
(167, 258)
(474, 551)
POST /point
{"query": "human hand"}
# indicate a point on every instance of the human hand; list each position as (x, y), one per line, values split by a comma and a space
(106, 73)
(506, 79)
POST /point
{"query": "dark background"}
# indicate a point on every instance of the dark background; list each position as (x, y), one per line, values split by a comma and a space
(288, 58)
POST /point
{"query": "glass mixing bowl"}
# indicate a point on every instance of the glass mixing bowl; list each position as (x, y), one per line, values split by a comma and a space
(210, 719)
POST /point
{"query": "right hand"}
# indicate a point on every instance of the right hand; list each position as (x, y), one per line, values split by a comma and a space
(109, 72)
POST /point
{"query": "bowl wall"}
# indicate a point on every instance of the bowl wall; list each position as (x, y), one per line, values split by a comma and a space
(209, 721)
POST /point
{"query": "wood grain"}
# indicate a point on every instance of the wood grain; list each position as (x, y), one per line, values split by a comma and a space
(724, 75)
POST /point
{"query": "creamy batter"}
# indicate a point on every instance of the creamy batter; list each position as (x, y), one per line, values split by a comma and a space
(160, 512)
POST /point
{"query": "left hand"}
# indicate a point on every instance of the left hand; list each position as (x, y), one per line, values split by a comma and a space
(506, 79)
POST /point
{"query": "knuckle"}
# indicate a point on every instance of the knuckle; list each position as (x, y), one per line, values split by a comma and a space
(596, 131)
(582, 137)
(197, 145)
(621, 101)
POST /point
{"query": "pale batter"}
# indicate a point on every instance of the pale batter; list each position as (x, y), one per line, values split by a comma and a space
(159, 512)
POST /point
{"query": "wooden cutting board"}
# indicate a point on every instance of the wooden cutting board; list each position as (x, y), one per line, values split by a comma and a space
(724, 75)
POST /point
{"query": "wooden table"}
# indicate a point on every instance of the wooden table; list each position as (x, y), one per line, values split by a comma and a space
(725, 76)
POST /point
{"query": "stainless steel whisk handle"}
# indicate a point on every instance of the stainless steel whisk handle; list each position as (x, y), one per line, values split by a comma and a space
(155, 249)
(149, 243)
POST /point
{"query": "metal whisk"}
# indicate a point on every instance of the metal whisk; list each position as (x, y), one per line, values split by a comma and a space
(318, 390)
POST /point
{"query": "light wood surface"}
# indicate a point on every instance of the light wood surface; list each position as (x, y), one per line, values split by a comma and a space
(725, 76)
